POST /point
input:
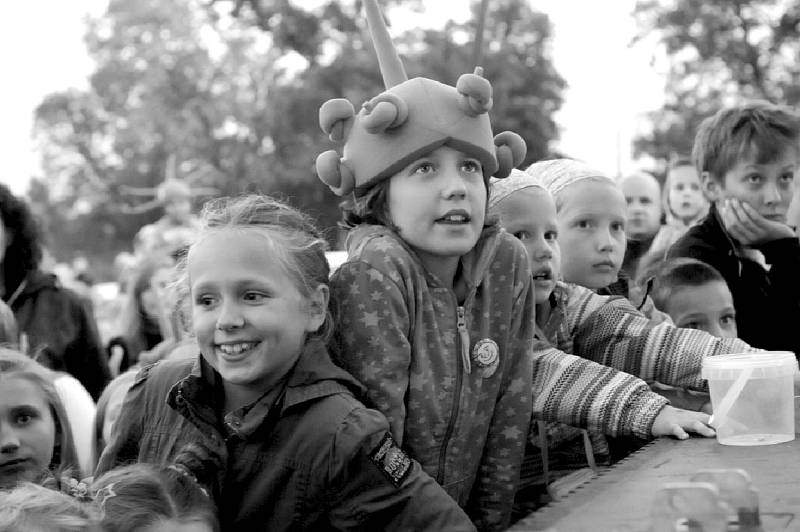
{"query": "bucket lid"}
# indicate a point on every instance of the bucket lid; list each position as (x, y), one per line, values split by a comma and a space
(763, 364)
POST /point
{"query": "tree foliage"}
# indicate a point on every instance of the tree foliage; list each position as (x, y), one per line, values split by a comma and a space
(719, 52)
(231, 88)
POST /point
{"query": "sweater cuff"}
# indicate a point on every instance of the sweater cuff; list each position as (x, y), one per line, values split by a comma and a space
(642, 413)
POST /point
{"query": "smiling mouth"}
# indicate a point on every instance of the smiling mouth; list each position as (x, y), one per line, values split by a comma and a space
(544, 275)
(454, 218)
(236, 350)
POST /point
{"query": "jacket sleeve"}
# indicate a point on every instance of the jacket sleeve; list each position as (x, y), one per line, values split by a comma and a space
(85, 357)
(586, 394)
(784, 257)
(123, 447)
(372, 331)
(613, 333)
(492, 495)
(374, 485)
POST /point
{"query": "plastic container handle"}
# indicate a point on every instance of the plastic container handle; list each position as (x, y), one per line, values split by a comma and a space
(720, 414)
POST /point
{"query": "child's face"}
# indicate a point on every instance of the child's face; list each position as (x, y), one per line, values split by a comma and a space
(707, 307)
(27, 431)
(591, 233)
(530, 215)
(642, 195)
(438, 203)
(767, 187)
(250, 319)
(685, 196)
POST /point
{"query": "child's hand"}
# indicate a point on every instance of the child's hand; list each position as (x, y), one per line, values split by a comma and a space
(675, 422)
(747, 226)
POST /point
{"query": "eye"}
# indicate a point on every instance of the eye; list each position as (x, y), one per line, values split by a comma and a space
(787, 177)
(695, 187)
(472, 166)
(25, 417)
(645, 201)
(583, 224)
(205, 300)
(728, 319)
(691, 325)
(617, 226)
(424, 167)
(754, 179)
(522, 235)
(254, 297)
(551, 236)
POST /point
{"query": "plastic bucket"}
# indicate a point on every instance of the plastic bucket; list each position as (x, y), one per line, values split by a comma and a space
(752, 396)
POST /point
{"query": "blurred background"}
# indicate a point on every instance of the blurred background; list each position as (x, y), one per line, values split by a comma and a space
(102, 95)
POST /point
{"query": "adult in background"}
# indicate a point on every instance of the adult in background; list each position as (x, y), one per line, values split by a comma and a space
(58, 328)
(643, 198)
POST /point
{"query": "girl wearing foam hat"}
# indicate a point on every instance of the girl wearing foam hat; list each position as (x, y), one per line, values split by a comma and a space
(434, 306)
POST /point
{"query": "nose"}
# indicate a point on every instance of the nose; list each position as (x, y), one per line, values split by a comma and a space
(605, 242)
(230, 317)
(771, 195)
(542, 250)
(454, 186)
(9, 440)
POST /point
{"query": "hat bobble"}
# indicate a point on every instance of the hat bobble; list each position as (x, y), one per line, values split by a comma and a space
(475, 93)
(335, 118)
(334, 173)
(510, 151)
(385, 111)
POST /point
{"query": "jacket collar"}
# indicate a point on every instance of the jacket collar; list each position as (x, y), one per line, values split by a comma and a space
(313, 376)
(474, 264)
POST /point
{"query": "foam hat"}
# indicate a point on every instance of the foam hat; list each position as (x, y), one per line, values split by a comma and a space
(409, 119)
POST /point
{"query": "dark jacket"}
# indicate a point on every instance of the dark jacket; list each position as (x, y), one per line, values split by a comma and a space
(767, 302)
(61, 330)
(315, 459)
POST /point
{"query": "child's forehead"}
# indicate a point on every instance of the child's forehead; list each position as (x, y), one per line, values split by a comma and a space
(531, 206)
(592, 196)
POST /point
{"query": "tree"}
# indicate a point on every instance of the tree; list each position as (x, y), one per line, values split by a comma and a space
(226, 88)
(719, 52)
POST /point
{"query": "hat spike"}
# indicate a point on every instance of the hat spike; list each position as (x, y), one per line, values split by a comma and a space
(391, 67)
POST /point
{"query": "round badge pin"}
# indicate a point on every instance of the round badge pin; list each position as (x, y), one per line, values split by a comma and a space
(486, 357)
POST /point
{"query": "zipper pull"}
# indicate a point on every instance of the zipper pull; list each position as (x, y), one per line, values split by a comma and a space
(464, 335)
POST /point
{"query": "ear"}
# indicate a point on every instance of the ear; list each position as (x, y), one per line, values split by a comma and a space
(712, 189)
(317, 308)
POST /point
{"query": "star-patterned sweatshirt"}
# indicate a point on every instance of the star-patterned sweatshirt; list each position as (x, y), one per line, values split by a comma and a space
(454, 379)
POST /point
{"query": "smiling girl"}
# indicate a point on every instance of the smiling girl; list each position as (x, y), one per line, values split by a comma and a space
(297, 450)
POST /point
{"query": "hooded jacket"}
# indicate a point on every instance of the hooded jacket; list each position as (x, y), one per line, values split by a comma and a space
(314, 459)
(61, 330)
(767, 300)
(454, 379)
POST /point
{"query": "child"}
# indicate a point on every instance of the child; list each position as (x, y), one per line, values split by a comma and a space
(34, 508)
(604, 329)
(683, 202)
(35, 437)
(150, 498)
(747, 157)
(695, 296)
(571, 389)
(434, 306)
(298, 450)
(643, 213)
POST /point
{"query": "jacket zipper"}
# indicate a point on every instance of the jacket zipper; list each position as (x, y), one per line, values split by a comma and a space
(463, 364)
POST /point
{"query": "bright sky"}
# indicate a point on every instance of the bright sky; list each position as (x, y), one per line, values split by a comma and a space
(611, 85)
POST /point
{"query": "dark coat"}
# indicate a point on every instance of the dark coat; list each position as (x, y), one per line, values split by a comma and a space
(61, 330)
(767, 302)
(317, 459)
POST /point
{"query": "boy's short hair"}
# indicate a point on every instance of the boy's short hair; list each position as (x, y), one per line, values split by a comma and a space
(757, 128)
(672, 275)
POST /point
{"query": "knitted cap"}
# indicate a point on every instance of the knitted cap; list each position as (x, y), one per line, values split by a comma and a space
(408, 120)
(560, 173)
(500, 189)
